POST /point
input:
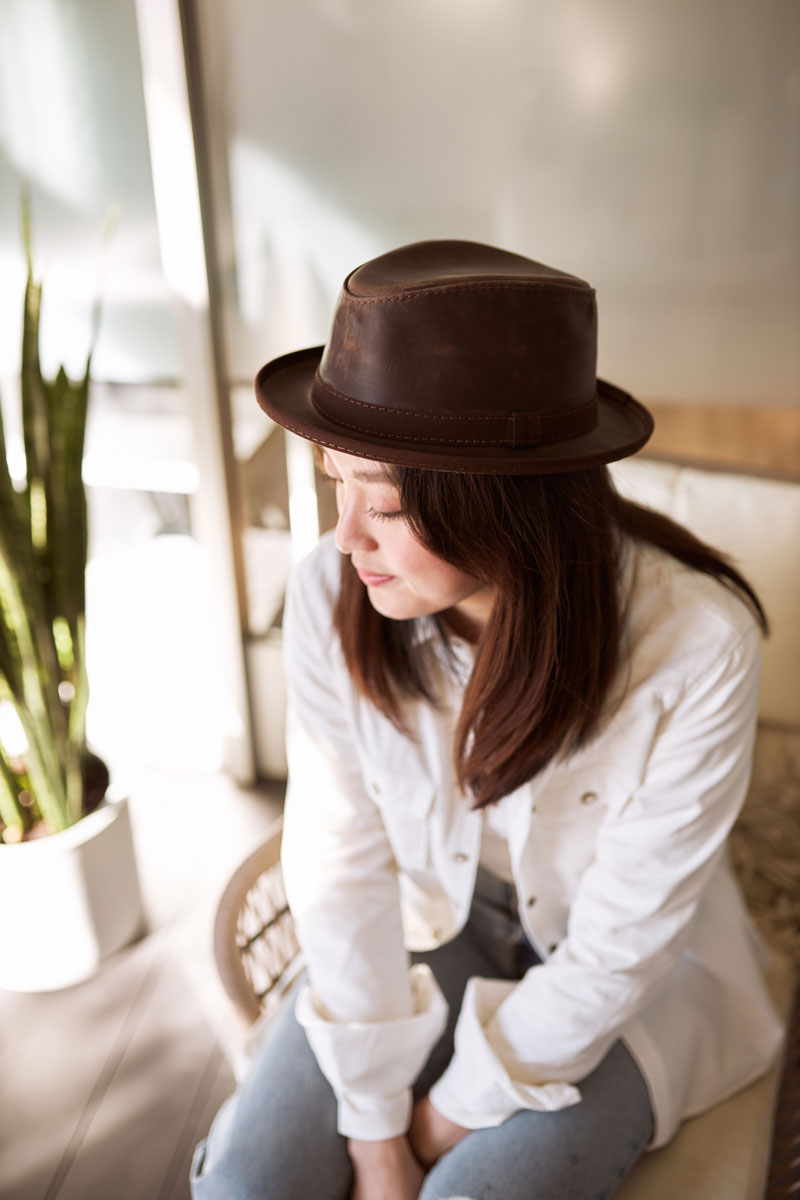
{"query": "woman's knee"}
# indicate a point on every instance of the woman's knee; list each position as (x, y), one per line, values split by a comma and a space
(206, 1184)
(276, 1138)
(218, 1172)
(290, 1163)
(582, 1151)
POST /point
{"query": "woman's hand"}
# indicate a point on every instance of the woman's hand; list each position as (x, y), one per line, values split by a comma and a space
(385, 1170)
(431, 1135)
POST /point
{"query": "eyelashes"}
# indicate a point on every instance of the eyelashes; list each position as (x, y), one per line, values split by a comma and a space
(385, 516)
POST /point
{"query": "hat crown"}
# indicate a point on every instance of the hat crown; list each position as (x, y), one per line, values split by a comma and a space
(456, 329)
(441, 263)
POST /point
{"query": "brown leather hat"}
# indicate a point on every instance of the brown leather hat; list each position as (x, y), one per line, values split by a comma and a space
(458, 357)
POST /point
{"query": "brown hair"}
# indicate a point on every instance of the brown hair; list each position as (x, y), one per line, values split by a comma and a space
(545, 662)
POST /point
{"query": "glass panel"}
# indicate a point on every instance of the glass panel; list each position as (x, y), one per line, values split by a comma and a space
(72, 124)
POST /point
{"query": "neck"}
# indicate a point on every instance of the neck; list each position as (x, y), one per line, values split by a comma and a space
(468, 619)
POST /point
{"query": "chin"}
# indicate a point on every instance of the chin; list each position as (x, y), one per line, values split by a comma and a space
(396, 608)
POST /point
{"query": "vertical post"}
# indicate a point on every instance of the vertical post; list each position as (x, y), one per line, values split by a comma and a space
(181, 183)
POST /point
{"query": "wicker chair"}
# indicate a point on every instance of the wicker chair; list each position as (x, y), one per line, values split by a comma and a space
(255, 946)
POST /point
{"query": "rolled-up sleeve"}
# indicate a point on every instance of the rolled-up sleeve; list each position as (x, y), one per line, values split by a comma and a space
(370, 1020)
(527, 1045)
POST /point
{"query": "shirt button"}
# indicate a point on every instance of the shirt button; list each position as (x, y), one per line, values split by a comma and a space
(376, 789)
(533, 808)
(460, 856)
(551, 949)
(530, 901)
(589, 798)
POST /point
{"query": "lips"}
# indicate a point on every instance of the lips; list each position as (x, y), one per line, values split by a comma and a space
(372, 578)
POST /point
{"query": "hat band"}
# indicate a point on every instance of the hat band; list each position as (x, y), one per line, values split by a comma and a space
(515, 429)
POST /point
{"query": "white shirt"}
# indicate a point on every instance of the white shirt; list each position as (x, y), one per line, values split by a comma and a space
(618, 856)
(495, 855)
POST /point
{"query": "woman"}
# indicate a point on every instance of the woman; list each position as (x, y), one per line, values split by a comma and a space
(522, 714)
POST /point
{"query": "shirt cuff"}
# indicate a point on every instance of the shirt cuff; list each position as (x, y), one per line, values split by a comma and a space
(371, 1065)
(478, 1090)
(373, 1118)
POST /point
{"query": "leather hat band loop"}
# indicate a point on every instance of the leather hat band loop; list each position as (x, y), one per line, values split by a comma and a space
(515, 429)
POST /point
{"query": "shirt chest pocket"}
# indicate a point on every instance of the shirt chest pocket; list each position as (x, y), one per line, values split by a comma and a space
(405, 804)
(567, 815)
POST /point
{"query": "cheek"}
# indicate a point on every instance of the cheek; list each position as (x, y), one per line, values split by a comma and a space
(409, 558)
(427, 575)
(422, 572)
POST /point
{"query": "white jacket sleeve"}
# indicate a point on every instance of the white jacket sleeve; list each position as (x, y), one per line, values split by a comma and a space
(518, 1045)
(371, 1022)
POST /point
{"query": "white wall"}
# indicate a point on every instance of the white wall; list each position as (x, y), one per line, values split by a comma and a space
(651, 148)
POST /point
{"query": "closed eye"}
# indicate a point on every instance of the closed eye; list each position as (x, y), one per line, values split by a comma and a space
(384, 516)
(378, 514)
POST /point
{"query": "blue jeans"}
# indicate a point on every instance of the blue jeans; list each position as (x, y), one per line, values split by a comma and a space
(276, 1137)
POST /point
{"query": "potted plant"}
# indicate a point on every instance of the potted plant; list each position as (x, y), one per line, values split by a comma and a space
(68, 878)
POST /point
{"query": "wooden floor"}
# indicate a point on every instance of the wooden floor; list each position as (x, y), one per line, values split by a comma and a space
(106, 1087)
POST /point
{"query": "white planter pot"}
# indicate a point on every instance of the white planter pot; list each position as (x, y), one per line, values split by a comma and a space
(68, 900)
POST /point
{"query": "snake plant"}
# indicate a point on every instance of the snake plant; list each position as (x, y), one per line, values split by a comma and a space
(43, 550)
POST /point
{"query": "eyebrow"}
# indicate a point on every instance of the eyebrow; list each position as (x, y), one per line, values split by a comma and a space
(379, 476)
(371, 477)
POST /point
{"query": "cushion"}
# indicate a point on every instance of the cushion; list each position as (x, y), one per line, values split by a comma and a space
(724, 1153)
(757, 523)
(765, 843)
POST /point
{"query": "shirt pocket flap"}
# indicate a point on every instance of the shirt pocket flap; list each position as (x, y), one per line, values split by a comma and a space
(405, 803)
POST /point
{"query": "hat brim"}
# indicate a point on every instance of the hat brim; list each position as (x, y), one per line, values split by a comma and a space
(283, 390)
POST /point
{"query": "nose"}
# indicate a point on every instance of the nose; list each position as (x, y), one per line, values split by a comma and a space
(352, 531)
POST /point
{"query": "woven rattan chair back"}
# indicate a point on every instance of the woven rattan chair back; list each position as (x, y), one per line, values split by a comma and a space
(255, 946)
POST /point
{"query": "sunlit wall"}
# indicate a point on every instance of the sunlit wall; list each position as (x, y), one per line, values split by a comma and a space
(651, 148)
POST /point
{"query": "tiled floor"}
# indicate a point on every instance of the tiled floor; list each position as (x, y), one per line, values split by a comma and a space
(106, 1087)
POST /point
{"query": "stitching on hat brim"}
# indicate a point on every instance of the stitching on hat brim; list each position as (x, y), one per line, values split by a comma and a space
(527, 465)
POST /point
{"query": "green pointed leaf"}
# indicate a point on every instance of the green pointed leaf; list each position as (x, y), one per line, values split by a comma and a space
(10, 811)
(43, 551)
